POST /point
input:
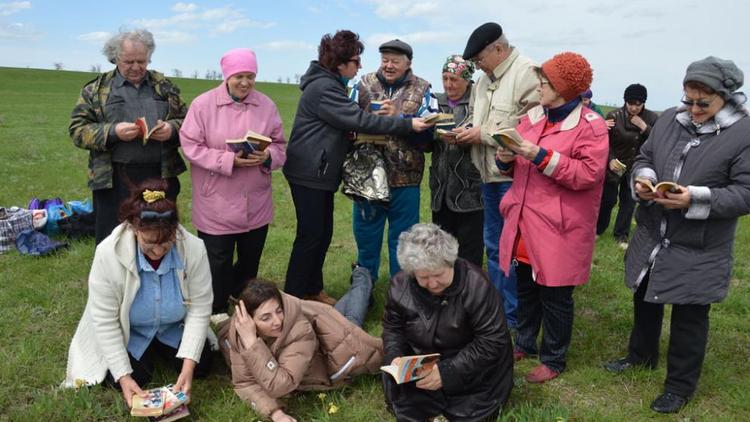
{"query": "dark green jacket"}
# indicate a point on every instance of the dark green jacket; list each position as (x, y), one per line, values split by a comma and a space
(89, 129)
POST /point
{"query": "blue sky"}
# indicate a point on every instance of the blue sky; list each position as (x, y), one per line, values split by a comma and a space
(645, 41)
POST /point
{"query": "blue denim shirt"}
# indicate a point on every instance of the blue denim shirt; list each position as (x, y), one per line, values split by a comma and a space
(158, 309)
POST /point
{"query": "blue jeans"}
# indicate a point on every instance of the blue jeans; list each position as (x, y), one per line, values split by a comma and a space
(353, 305)
(492, 194)
(368, 223)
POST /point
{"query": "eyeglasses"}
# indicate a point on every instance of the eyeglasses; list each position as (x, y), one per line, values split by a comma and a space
(356, 61)
(697, 103)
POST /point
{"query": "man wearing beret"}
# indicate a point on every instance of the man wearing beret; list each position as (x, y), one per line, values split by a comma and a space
(399, 93)
(504, 93)
(629, 127)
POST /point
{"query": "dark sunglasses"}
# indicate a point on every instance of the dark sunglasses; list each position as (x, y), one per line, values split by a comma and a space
(698, 103)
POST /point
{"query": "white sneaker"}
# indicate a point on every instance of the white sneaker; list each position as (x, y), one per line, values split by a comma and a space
(623, 245)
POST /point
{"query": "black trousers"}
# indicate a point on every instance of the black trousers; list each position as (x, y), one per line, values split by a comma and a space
(548, 308)
(610, 196)
(107, 201)
(314, 209)
(467, 228)
(687, 340)
(143, 368)
(411, 404)
(229, 277)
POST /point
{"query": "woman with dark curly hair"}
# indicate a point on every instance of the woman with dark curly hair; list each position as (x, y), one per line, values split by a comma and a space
(149, 296)
(316, 151)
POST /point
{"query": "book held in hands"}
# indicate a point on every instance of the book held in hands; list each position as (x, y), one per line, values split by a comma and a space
(249, 143)
(144, 131)
(508, 137)
(411, 368)
(661, 187)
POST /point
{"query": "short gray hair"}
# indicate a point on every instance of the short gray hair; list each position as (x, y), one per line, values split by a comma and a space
(426, 247)
(113, 47)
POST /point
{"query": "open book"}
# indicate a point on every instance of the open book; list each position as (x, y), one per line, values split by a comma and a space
(160, 402)
(145, 132)
(508, 136)
(661, 187)
(620, 167)
(437, 117)
(408, 368)
(249, 143)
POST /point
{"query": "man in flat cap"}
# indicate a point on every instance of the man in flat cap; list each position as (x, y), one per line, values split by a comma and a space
(392, 90)
(503, 93)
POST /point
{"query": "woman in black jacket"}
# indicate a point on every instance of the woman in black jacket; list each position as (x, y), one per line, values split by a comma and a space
(316, 151)
(442, 304)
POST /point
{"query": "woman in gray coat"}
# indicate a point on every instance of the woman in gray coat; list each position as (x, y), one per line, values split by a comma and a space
(682, 250)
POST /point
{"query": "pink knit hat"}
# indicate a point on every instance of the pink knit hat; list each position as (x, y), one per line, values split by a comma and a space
(238, 60)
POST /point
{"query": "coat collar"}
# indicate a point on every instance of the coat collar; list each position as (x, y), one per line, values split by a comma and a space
(223, 98)
(537, 114)
(503, 67)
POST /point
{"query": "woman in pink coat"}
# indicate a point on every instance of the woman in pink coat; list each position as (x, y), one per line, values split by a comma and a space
(551, 209)
(232, 204)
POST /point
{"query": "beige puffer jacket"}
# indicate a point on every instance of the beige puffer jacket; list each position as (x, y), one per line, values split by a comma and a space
(318, 349)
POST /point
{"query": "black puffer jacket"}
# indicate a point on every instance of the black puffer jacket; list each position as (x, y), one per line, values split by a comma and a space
(466, 325)
(625, 138)
(318, 143)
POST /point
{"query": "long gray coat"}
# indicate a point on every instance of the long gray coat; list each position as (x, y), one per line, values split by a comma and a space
(690, 252)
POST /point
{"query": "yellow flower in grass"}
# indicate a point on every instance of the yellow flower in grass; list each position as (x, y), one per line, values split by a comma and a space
(322, 396)
(332, 408)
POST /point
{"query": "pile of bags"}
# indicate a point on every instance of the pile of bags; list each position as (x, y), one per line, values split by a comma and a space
(28, 229)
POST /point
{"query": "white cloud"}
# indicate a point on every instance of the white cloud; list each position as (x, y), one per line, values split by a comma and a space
(397, 8)
(181, 7)
(7, 9)
(19, 32)
(190, 16)
(96, 37)
(423, 37)
(173, 37)
(287, 45)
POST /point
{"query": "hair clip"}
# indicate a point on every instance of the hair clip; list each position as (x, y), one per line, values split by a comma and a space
(153, 215)
(153, 195)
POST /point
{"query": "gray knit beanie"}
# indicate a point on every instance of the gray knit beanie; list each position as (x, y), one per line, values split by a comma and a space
(723, 76)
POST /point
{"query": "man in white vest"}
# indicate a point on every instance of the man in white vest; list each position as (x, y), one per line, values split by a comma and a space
(503, 93)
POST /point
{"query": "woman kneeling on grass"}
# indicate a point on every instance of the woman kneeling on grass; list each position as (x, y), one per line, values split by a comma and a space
(442, 304)
(276, 344)
(149, 294)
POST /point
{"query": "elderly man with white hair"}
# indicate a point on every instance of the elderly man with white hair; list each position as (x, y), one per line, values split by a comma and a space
(104, 123)
(440, 303)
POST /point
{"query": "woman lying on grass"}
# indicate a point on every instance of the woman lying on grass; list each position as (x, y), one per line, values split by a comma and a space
(149, 294)
(276, 344)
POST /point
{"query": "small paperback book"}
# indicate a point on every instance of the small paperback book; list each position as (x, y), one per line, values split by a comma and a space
(661, 187)
(437, 117)
(620, 167)
(507, 137)
(411, 368)
(249, 143)
(145, 132)
(161, 402)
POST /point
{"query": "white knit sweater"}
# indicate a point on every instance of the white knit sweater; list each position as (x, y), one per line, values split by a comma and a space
(100, 341)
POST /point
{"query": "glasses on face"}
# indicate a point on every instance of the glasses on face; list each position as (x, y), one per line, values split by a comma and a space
(697, 103)
(357, 61)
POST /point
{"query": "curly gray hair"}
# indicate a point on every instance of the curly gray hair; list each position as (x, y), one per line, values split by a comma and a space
(426, 247)
(113, 47)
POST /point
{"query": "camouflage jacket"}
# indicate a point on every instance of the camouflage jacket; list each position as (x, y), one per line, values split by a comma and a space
(404, 159)
(90, 131)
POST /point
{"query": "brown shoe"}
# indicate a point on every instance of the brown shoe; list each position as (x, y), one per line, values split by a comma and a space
(321, 297)
(540, 374)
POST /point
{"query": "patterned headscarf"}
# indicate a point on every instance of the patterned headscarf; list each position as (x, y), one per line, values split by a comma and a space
(457, 65)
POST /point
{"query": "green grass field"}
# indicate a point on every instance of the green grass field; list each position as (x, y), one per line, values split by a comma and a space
(41, 299)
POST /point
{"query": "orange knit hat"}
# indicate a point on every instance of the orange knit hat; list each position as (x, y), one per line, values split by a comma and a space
(569, 73)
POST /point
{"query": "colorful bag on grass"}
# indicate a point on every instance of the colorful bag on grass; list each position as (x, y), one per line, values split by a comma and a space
(13, 221)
